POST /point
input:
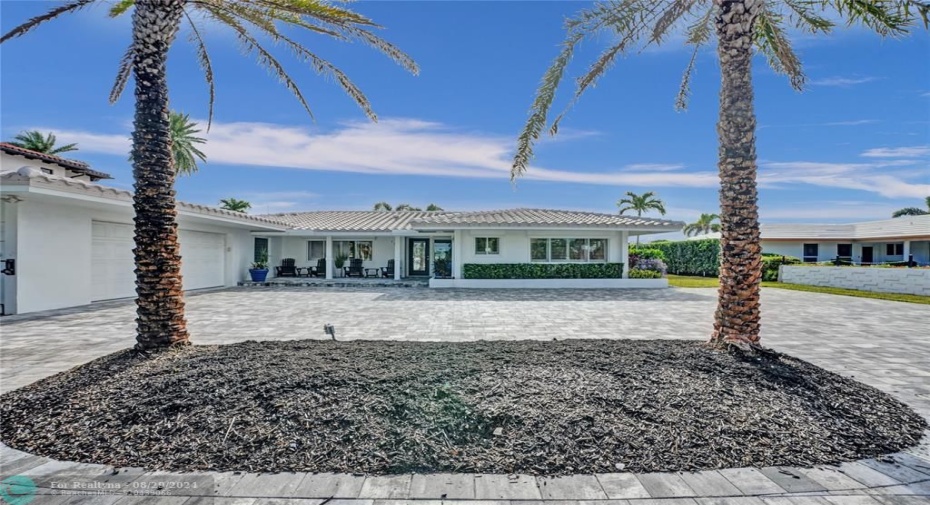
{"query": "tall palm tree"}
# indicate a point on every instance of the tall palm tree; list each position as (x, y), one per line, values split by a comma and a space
(382, 206)
(155, 24)
(35, 141)
(235, 205)
(739, 25)
(433, 208)
(704, 225)
(183, 152)
(913, 211)
(639, 204)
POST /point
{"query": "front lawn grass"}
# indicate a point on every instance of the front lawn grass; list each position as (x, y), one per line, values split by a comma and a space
(687, 281)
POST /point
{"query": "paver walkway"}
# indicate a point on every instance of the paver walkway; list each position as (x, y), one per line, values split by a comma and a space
(884, 344)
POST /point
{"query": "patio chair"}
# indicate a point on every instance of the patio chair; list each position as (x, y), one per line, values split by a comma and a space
(288, 268)
(320, 270)
(388, 271)
(355, 268)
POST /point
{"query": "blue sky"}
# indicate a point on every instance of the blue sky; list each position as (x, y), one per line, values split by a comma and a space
(854, 146)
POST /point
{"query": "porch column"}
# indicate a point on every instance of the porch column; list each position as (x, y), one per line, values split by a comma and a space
(329, 258)
(457, 254)
(625, 253)
(907, 251)
(398, 260)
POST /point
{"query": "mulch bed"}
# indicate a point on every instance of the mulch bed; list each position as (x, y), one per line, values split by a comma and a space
(546, 408)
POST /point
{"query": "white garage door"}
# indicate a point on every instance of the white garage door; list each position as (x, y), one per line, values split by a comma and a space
(203, 259)
(203, 262)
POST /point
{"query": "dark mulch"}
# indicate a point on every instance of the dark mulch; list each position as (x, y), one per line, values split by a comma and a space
(549, 408)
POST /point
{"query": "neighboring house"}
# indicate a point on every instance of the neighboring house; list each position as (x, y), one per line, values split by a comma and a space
(415, 239)
(14, 158)
(867, 243)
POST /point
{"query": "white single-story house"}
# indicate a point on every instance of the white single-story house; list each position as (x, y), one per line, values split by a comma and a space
(867, 243)
(67, 241)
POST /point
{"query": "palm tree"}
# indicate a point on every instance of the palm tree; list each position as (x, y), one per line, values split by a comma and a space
(35, 141)
(406, 206)
(433, 208)
(639, 204)
(235, 205)
(739, 25)
(182, 143)
(913, 211)
(382, 206)
(704, 225)
(155, 24)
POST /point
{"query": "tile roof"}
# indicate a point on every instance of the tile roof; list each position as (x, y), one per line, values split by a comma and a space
(905, 226)
(30, 176)
(350, 220)
(73, 165)
(543, 218)
(387, 221)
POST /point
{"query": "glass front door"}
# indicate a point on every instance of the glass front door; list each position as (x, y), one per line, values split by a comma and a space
(442, 258)
(418, 257)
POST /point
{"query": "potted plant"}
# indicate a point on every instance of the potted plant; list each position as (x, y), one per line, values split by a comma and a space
(259, 269)
(340, 261)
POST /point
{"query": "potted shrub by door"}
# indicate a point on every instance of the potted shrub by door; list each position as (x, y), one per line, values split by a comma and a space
(259, 270)
(340, 262)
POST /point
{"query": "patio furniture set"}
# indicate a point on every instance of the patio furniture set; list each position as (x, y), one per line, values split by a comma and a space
(289, 268)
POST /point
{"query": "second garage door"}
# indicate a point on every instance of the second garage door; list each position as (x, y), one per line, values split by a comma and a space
(203, 260)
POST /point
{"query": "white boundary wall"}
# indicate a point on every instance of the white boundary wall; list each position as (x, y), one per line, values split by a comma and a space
(912, 281)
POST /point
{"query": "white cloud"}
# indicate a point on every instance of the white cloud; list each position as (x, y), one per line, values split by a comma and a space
(856, 122)
(898, 152)
(841, 81)
(422, 148)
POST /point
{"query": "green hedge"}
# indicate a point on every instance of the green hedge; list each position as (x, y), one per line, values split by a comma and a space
(636, 273)
(690, 257)
(771, 262)
(542, 271)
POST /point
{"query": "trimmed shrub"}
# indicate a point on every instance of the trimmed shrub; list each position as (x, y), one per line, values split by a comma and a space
(542, 271)
(691, 257)
(652, 265)
(638, 273)
(648, 253)
(771, 262)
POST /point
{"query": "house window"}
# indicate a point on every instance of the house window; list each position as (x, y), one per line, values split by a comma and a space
(894, 249)
(539, 249)
(810, 253)
(363, 249)
(48, 171)
(344, 248)
(844, 251)
(576, 249)
(316, 249)
(487, 245)
(261, 250)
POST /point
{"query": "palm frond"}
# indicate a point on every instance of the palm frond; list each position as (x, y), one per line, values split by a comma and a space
(48, 16)
(122, 75)
(676, 10)
(203, 58)
(698, 35)
(772, 42)
(120, 7)
(388, 49)
(265, 59)
(885, 18)
(806, 16)
(317, 10)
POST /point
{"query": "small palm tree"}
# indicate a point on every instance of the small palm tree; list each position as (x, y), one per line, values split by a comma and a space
(35, 141)
(913, 211)
(639, 204)
(155, 25)
(235, 205)
(382, 206)
(740, 26)
(704, 225)
(433, 208)
(182, 144)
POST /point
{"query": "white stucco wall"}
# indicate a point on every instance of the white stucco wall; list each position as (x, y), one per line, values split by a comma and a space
(826, 250)
(54, 251)
(914, 281)
(515, 244)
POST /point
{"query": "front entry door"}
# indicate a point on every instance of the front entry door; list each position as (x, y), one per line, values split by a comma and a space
(418, 257)
(867, 258)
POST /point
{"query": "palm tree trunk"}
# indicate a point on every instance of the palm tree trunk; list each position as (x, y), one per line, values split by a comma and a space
(160, 300)
(737, 318)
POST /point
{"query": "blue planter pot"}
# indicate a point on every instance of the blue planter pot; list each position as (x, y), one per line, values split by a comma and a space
(258, 275)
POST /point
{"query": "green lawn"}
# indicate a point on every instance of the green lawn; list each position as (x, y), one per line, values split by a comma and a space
(681, 281)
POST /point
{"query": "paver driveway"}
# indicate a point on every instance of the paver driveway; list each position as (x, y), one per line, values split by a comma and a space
(885, 344)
